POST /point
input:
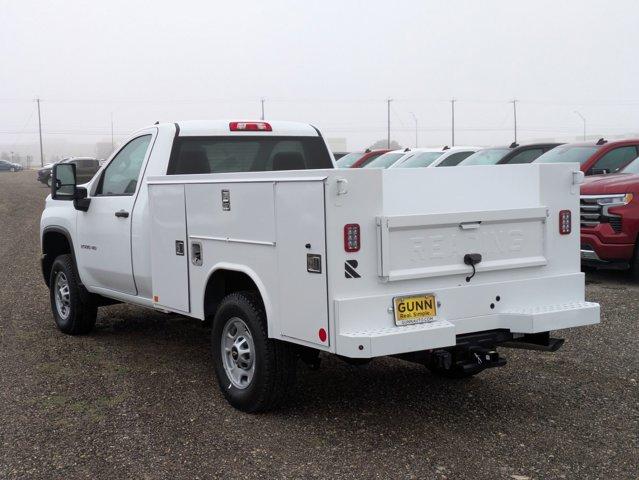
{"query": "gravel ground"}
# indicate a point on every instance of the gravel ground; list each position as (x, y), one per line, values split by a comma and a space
(137, 398)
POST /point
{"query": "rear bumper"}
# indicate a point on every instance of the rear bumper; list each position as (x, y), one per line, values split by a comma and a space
(513, 312)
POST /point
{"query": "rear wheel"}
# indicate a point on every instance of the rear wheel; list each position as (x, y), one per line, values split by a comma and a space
(72, 313)
(254, 373)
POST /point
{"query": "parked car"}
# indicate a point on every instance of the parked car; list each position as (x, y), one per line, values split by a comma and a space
(422, 157)
(86, 167)
(512, 154)
(359, 159)
(487, 156)
(526, 153)
(595, 158)
(289, 259)
(610, 219)
(434, 157)
(7, 166)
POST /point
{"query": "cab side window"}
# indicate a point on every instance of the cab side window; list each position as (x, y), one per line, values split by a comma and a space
(121, 176)
(614, 160)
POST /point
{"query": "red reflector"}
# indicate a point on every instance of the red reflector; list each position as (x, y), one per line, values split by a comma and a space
(351, 237)
(322, 335)
(565, 222)
(250, 127)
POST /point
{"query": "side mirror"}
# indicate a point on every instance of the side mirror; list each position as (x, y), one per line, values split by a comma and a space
(63, 181)
(63, 186)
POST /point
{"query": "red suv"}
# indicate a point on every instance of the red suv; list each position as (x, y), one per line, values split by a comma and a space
(596, 158)
(359, 159)
(610, 219)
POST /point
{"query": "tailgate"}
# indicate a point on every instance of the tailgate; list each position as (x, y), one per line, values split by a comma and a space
(421, 246)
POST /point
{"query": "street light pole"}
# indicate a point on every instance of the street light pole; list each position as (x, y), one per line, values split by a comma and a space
(514, 102)
(416, 130)
(112, 142)
(452, 111)
(262, 102)
(388, 140)
(583, 119)
(40, 132)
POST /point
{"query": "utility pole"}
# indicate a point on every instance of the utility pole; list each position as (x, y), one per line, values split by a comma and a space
(514, 102)
(388, 141)
(40, 132)
(415, 118)
(583, 120)
(262, 101)
(112, 142)
(452, 111)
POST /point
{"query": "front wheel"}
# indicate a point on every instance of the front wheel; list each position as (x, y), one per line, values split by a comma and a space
(254, 373)
(72, 313)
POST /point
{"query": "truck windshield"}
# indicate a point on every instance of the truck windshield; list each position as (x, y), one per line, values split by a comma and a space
(420, 160)
(487, 156)
(192, 155)
(349, 159)
(384, 161)
(568, 153)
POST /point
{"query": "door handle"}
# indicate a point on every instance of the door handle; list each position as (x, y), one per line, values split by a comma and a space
(122, 214)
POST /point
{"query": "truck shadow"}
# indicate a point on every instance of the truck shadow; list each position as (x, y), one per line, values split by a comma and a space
(385, 391)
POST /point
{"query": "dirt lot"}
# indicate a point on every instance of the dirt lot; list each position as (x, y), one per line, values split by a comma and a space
(137, 398)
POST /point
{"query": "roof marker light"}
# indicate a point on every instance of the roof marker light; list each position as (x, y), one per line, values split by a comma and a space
(250, 127)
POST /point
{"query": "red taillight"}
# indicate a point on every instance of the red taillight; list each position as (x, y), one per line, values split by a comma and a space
(250, 127)
(351, 237)
(565, 222)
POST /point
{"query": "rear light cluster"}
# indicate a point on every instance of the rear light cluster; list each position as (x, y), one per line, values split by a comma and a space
(250, 127)
(351, 237)
(565, 222)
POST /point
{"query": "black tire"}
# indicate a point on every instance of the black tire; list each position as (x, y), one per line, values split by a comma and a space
(274, 361)
(81, 312)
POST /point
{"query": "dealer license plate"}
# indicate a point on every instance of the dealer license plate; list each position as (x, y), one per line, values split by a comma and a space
(414, 309)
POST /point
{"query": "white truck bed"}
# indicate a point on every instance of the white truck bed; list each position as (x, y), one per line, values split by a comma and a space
(416, 226)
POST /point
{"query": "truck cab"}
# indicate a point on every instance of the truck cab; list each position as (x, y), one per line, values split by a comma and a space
(249, 225)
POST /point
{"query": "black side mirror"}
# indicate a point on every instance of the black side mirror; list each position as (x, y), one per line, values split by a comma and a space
(63, 181)
(81, 202)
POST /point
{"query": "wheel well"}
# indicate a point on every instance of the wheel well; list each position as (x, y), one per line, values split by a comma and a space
(54, 243)
(222, 283)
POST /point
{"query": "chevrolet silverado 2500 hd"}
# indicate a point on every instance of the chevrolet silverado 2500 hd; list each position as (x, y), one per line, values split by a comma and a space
(249, 224)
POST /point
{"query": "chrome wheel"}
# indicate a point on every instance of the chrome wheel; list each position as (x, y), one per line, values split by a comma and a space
(62, 295)
(238, 353)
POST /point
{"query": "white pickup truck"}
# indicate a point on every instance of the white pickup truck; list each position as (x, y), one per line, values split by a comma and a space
(248, 225)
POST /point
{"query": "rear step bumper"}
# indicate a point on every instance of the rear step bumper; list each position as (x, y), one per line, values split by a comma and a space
(442, 333)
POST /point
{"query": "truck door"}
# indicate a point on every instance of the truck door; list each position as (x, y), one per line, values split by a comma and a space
(104, 231)
(301, 258)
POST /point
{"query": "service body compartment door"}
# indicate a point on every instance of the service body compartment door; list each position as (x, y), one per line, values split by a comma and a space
(301, 258)
(169, 249)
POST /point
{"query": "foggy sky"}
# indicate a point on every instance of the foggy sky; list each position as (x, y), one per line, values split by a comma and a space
(330, 63)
